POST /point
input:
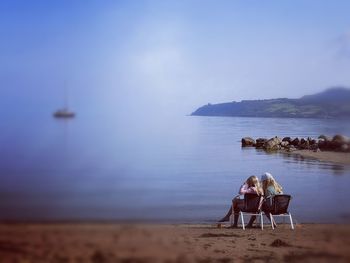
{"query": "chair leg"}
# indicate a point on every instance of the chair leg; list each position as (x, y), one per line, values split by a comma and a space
(291, 221)
(242, 218)
(271, 219)
(262, 221)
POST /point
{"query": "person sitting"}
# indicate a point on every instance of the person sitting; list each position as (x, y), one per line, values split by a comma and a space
(270, 188)
(250, 186)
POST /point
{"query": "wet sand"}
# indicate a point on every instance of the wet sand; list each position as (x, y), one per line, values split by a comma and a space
(113, 242)
(334, 157)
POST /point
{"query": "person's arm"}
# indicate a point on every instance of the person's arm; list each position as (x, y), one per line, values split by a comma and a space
(243, 189)
(247, 190)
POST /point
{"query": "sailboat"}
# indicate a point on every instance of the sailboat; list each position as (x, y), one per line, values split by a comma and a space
(64, 112)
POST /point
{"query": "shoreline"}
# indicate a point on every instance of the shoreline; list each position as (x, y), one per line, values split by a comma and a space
(334, 149)
(324, 156)
(171, 243)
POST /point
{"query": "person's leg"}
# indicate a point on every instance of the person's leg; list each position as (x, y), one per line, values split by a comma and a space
(229, 212)
(227, 216)
(251, 221)
(235, 219)
(253, 218)
(237, 206)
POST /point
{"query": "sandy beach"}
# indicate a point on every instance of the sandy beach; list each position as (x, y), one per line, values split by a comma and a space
(326, 156)
(114, 242)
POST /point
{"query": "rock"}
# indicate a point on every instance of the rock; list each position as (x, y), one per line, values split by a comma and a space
(339, 140)
(247, 141)
(337, 143)
(284, 144)
(273, 144)
(325, 138)
(304, 144)
(323, 144)
(312, 141)
(313, 147)
(291, 148)
(295, 142)
(260, 142)
(287, 139)
(277, 139)
(334, 144)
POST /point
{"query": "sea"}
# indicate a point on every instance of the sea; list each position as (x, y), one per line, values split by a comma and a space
(184, 169)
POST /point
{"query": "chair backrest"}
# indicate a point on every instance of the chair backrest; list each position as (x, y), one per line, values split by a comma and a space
(251, 203)
(280, 204)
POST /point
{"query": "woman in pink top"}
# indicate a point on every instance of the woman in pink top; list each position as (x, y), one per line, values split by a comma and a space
(251, 186)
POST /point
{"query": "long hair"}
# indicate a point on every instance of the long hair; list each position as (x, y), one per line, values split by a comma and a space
(270, 181)
(253, 181)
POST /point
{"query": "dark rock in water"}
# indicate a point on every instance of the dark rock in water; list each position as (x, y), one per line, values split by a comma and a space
(260, 142)
(287, 139)
(304, 144)
(312, 142)
(331, 145)
(247, 141)
(324, 144)
(339, 140)
(325, 138)
(273, 144)
(295, 142)
(314, 147)
(337, 143)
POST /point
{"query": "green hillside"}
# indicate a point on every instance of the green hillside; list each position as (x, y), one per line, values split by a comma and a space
(332, 103)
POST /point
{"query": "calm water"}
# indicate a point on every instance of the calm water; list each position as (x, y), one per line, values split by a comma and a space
(185, 169)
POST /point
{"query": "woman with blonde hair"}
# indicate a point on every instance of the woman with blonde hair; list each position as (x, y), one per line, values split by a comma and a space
(270, 188)
(250, 186)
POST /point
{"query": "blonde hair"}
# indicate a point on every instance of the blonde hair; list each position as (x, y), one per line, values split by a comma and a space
(270, 181)
(253, 181)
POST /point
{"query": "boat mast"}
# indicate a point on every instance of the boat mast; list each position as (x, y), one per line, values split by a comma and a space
(65, 97)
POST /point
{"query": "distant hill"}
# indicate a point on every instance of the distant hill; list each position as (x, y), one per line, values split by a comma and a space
(331, 103)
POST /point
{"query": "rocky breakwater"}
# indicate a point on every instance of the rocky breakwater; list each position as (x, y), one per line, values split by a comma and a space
(337, 143)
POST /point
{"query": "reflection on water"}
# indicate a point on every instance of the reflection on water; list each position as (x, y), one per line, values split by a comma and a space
(309, 162)
(337, 169)
(186, 169)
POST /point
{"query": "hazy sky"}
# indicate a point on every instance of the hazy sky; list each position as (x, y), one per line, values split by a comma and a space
(160, 56)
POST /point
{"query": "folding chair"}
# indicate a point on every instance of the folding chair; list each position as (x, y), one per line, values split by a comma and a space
(279, 208)
(252, 204)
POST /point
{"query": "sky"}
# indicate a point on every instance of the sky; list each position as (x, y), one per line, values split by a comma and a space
(167, 57)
